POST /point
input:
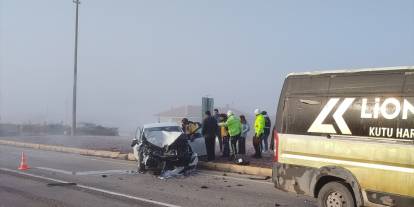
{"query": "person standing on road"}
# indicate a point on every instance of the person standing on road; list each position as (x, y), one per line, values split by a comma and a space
(217, 117)
(264, 143)
(243, 135)
(234, 126)
(259, 125)
(209, 131)
(224, 135)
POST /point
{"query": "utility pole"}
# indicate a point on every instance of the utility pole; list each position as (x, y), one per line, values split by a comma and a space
(75, 71)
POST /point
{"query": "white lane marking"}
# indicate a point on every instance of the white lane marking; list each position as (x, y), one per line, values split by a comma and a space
(352, 163)
(100, 172)
(124, 162)
(127, 196)
(56, 170)
(93, 188)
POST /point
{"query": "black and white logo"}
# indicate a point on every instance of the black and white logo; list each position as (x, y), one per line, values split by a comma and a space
(318, 125)
(391, 111)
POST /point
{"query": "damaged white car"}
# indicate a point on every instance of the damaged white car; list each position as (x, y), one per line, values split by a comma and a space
(164, 148)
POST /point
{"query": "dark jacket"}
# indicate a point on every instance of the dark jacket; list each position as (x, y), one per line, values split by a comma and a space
(209, 126)
(268, 124)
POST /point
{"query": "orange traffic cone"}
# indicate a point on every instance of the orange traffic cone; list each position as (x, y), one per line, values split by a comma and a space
(23, 164)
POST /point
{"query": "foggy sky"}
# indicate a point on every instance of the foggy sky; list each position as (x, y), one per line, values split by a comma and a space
(137, 58)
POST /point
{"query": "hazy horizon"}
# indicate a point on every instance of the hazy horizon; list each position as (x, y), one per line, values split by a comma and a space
(138, 58)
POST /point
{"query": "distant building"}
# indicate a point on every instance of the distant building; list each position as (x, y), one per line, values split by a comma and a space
(191, 112)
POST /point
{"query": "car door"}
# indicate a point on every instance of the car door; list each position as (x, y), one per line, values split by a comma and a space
(198, 144)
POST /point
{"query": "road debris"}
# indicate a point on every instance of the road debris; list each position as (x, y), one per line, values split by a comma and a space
(241, 161)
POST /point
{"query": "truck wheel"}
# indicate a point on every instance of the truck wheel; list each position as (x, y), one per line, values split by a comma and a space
(335, 194)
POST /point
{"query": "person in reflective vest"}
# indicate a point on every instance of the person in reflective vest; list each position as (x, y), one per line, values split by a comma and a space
(259, 126)
(234, 128)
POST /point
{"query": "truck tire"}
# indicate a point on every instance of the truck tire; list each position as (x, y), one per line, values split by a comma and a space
(335, 194)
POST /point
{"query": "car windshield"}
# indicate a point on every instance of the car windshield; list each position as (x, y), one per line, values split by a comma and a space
(161, 136)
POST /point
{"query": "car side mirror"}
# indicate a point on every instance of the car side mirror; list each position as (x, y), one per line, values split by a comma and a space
(134, 142)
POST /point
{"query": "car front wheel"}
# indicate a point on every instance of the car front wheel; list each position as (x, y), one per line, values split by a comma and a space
(335, 194)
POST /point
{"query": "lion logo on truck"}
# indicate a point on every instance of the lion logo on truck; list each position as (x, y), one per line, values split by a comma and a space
(388, 108)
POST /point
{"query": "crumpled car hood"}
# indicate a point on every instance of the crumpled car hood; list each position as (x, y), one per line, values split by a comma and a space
(162, 138)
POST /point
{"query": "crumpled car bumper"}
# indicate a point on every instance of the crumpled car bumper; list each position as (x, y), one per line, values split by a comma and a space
(168, 158)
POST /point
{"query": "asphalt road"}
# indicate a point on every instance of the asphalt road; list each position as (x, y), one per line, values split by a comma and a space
(60, 179)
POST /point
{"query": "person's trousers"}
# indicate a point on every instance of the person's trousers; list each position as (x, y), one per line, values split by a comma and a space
(210, 141)
(220, 141)
(264, 144)
(226, 147)
(242, 145)
(234, 140)
(256, 145)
